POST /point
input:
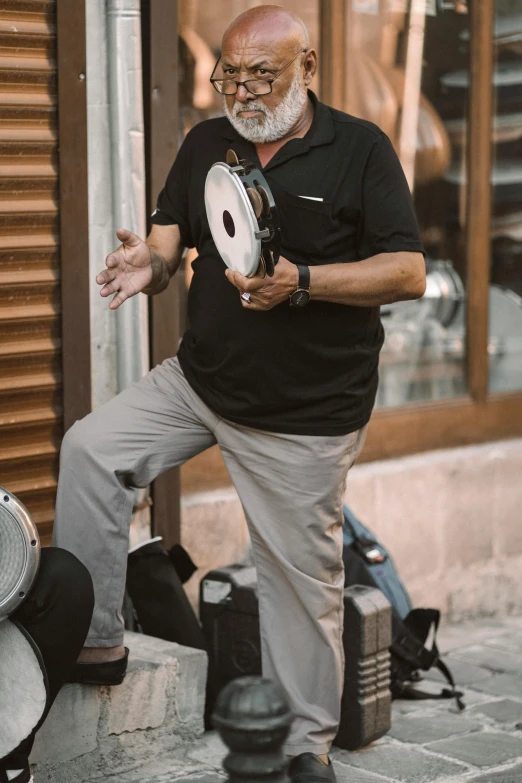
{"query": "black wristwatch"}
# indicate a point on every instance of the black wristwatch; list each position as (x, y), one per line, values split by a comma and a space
(301, 295)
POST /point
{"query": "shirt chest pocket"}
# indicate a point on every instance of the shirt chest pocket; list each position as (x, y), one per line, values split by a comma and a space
(304, 225)
(309, 233)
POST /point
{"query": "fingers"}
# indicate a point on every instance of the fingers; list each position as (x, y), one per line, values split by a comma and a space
(110, 288)
(120, 297)
(106, 276)
(243, 283)
(128, 238)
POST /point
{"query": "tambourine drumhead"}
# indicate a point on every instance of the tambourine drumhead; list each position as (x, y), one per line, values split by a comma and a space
(232, 220)
(23, 689)
(19, 553)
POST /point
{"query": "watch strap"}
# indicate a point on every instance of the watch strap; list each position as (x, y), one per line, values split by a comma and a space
(304, 277)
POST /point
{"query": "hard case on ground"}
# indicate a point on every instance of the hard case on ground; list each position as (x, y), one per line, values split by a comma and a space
(230, 619)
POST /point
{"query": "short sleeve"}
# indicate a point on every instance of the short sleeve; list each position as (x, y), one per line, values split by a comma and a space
(389, 224)
(172, 204)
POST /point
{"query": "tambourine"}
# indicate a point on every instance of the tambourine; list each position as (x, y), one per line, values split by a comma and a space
(24, 690)
(23, 682)
(242, 216)
(19, 553)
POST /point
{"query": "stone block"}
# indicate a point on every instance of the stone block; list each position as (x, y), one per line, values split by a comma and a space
(142, 703)
(504, 711)
(492, 588)
(71, 728)
(190, 686)
(151, 713)
(467, 497)
(166, 769)
(463, 553)
(505, 505)
(464, 672)
(421, 729)
(511, 641)
(492, 659)
(451, 636)
(410, 531)
(401, 763)
(173, 775)
(346, 774)
(210, 752)
(502, 685)
(511, 774)
(482, 749)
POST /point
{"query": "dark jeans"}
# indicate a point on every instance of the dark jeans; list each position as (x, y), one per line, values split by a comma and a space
(56, 614)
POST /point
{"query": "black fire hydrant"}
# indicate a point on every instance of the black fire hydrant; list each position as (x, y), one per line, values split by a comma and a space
(253, 718)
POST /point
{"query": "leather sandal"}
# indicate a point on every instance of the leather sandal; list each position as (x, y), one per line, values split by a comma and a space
(24, 776)
(100, 673)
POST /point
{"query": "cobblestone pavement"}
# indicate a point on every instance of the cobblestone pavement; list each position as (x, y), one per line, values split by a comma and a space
(429, 742)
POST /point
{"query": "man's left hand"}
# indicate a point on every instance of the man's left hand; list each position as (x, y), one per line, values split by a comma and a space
(266, 292)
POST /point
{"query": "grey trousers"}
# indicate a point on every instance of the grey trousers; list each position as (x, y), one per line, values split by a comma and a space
(291, 489)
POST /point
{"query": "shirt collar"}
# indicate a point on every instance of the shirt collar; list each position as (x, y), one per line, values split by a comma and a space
(321, 131)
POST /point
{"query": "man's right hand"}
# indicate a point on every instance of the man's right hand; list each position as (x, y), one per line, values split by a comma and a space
(129, 269)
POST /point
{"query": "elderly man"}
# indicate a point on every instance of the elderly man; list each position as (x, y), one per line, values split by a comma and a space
(284, 380)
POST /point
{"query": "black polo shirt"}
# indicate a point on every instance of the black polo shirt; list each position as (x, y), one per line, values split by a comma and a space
(310, 370)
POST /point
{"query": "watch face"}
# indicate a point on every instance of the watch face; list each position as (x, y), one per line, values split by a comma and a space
(300, 297)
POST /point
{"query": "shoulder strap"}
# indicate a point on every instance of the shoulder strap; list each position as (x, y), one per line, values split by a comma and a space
(407, 691)
(409, 647)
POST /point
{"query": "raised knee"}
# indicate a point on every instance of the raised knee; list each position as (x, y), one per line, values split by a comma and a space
(77, 441)
(69, 577)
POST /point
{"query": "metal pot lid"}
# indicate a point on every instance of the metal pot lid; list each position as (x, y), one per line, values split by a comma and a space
(506, 74)
(503, 173)
(508, 29)
(23, 687)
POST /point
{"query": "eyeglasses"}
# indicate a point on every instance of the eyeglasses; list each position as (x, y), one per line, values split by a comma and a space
(254, 86)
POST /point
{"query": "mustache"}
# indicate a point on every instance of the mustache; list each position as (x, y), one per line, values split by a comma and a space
(254, 106)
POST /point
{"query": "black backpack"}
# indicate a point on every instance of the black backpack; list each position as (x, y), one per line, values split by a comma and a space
(366, 562)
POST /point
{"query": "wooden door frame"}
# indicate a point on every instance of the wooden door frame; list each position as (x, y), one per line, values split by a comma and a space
(160, 93)
(74, 209)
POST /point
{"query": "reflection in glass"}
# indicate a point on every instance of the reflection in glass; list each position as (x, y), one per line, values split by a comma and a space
(505, 301)
(408, 71)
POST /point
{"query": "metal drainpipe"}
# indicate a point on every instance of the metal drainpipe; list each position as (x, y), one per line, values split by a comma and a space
(128, 171)
(128, 181)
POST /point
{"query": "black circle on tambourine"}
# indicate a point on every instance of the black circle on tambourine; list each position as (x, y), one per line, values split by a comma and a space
(228, 222)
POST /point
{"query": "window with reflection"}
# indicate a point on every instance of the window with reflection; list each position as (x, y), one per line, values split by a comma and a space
(505, 293)
(408, 71)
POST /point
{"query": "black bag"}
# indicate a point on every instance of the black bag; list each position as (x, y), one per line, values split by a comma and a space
(160, 604)
(366, 562)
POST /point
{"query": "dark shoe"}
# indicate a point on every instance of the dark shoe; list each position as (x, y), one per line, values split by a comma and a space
(24, 776)
(106, 673)
(307, 768)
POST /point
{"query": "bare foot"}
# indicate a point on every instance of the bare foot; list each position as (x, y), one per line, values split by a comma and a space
(101, 654)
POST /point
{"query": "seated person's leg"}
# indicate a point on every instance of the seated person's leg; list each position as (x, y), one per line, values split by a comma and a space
(56, 614)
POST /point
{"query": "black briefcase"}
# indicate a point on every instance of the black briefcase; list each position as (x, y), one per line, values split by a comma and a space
(230, 620)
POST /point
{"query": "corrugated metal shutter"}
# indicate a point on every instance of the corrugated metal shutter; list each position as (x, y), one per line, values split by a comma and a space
(30, 382)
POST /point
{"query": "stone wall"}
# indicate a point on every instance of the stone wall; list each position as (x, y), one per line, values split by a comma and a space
(452, 520)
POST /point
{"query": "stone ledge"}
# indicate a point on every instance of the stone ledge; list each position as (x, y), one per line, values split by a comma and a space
(93, 732)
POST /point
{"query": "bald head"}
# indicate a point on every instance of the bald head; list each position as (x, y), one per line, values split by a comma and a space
(267, 46)
(267, 24)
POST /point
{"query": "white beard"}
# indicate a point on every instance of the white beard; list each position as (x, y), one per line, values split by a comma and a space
(276, 123)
